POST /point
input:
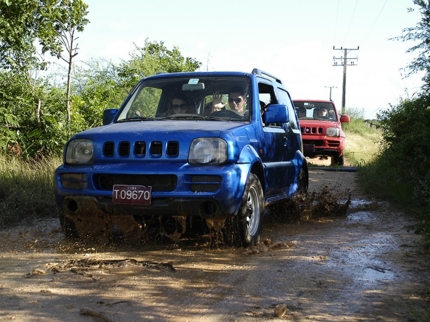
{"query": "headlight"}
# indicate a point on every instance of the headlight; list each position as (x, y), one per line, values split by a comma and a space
(208, 151)
(333, 131)
(80, 151)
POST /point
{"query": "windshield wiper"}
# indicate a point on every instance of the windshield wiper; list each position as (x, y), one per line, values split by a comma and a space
(182, 117)
(136, 117)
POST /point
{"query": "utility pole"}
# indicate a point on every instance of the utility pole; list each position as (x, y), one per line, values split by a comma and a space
(330, 89)
(345, 61)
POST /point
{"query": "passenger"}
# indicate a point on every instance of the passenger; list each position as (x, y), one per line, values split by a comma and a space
(320, 112)
(323, 111)
(237, 99)
(216, 104)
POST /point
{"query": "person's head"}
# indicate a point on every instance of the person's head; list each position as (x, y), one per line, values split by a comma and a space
(323, 111)
(237, 99)
(302, 111)
(320, 112)
(179, 104)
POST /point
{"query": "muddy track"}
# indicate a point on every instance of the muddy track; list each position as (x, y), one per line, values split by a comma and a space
(364, 264)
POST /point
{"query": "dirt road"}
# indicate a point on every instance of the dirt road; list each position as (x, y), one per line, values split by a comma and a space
(363, 266)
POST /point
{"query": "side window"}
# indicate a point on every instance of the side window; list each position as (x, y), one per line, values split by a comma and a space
(285, 99)
(266, 95)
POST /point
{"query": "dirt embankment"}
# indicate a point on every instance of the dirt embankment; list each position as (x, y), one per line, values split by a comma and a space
(365, 265)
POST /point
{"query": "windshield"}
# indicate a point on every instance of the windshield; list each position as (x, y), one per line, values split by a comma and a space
(206, 98)
(316, 111)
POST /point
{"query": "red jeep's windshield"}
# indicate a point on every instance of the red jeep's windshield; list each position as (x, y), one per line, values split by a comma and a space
(316, 111)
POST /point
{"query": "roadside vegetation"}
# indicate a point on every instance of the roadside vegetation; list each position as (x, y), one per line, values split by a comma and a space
(391, 155)
(363, 138)
(26, 190)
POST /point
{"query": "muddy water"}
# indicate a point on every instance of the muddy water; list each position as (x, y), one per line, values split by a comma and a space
(363, 265)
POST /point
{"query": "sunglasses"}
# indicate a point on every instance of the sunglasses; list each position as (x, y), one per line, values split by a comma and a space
(181, 106)
(237, 100)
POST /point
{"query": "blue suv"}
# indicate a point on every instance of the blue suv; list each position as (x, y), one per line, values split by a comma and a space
(218, 147)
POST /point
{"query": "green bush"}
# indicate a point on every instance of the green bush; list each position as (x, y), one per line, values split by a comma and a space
(401, 171)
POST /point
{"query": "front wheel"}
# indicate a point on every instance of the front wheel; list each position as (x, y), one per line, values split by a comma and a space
(303, 181)
(250, 215)
(338, 160)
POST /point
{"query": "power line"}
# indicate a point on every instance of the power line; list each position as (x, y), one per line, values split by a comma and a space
(376, 20)
(352, 18)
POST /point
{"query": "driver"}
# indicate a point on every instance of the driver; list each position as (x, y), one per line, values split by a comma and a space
(179, 104)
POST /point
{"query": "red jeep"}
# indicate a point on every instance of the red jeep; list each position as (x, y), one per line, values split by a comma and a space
(321, 128)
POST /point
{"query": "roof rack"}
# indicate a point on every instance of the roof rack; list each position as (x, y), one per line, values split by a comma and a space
(257, 71)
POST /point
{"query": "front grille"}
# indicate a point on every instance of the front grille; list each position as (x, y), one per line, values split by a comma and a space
(156, 149)
(312, 130)
(124, 149)
(172, 149)
(140, 149)
(157, 182)
(109, 149)
(205, 183)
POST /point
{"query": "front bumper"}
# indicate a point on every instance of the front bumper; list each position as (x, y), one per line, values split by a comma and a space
(178, 190)
(323, 146)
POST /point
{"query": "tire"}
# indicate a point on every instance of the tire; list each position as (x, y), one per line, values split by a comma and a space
(303, 181)
(250, 215)
(338, 160)
(68, 227)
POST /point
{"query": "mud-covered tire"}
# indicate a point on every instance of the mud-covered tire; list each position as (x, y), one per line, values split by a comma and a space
(303, 181)
(338, 160)
(250, 215)
(68, 227)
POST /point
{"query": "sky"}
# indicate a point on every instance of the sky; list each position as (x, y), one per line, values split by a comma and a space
(291, 39)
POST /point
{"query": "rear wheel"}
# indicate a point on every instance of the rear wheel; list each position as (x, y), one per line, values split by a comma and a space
(250, 216)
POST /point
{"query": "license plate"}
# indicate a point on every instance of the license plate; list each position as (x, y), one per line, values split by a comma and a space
(131, 194)
(309, 147)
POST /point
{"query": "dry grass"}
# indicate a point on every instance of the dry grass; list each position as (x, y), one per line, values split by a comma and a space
(26, 190)
(361, 148)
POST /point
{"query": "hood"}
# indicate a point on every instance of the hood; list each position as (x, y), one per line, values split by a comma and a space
(153, 129)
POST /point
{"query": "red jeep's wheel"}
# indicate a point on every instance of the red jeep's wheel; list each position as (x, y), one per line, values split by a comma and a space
(337, 160)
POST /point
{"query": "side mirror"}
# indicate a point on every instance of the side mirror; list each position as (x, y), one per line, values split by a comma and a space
(344, 118)
(109, 115)
(276, 113)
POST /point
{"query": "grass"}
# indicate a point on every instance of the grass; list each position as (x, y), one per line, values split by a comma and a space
(26, 190)
(362, 142)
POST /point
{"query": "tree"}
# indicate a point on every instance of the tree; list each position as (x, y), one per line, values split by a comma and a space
(153, 58)
(69, 20)
(420, 33)
(27, 26)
